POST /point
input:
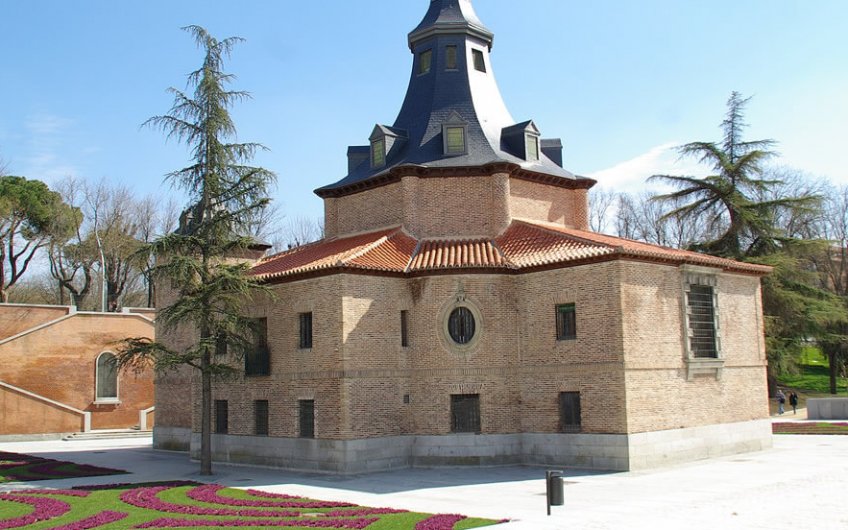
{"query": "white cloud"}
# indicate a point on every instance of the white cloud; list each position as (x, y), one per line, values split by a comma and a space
(631, 175)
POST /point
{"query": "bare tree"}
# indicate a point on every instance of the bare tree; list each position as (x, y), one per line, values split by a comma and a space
(601, 203)
(297, 231)
(71, 255)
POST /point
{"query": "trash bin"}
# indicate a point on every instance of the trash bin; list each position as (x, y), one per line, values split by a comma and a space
(555, 488)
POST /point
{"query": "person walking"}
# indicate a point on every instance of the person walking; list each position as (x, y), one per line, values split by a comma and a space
(793, 400)
(781, 401)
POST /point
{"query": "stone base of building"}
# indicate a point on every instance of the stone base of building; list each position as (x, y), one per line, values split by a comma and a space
(608, 452)
(827, 409)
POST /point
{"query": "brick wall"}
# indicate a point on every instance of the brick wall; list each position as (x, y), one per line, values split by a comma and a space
(532, 201)
(660, 394)
(58, 362)
(15, 318)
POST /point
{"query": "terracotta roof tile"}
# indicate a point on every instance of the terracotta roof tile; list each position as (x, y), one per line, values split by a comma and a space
(523, 245)
(434, 254)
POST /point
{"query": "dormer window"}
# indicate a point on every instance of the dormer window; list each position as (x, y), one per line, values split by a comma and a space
(479, 60)
(455, 133)
(378, 152)
(532, 147)
(425, 62)
(450, 58)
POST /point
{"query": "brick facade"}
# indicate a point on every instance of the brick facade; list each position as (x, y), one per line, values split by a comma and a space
(48, 366)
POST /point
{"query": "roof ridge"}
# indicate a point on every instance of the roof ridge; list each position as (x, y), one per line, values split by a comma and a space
(508, 262)
(368, 248)
(574, 237)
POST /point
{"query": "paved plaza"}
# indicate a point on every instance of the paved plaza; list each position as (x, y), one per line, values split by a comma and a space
(799, 484)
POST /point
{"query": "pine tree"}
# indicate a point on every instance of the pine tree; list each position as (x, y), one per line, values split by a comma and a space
(225, 193)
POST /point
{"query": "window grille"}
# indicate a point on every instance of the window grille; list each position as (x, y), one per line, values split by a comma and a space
(404, 328)
(465, 413)
(702, 330)
(307, 418)
(461, 325)
(222, 421)
(257, 360)
(260, 415)
(569, 411)
(566, 322)
(305, 331)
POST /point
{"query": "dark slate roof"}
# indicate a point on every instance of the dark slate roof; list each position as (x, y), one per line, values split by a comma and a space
(433, 98)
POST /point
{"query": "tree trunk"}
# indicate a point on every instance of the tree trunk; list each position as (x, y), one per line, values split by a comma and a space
(832, 365)
(205, 415)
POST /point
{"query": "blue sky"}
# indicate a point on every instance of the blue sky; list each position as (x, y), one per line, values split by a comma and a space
(620, 81)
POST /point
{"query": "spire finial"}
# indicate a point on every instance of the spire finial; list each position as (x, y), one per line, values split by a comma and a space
(451, 17)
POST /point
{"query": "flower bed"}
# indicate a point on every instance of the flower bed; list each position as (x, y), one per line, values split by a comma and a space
(809, 428)
(29, 468)
(192, 505)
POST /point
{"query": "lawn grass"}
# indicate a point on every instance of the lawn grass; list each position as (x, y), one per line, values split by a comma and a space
(810, 428)
(189, 505)
(14, 466)
(813, 378)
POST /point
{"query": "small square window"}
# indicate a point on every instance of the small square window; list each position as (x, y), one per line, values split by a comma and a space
(450, 57)
(455, 140)
(479, 60)
(425, 62)
(260, 417)
(305, 331)
(566, 322)
(222, 420)
(306, 414)
(404, 328)
(569, 411)
(378, 153)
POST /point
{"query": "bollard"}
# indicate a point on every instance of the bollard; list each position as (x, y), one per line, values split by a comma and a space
(553, 481)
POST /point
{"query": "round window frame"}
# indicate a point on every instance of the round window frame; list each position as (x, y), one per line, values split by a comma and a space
(479, 328)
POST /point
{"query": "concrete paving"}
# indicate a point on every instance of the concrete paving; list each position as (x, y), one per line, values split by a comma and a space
(799, 484)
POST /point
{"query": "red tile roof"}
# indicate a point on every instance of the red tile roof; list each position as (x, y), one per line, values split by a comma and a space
(522, 246)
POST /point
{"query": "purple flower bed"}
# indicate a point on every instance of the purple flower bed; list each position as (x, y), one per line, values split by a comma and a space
(69, 493)
(31, 468)
(101, 519)
(45, 509)
(209, 493)
(147, 498)
(439, 522)
(356, 524)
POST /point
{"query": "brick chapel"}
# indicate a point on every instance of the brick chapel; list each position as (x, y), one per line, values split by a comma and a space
(459, 311)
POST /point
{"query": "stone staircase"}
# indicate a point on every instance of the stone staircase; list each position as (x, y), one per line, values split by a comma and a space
(107, 434)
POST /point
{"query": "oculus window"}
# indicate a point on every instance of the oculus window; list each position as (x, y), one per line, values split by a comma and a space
(461, 325)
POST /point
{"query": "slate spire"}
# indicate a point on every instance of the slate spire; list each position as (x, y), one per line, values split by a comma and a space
(452, 86)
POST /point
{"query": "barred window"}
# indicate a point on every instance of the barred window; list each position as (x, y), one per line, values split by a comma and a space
(465, 413)
(569, 411)
(306, 413)
(305, 331)
(260, 417)
(257, 360)
(222, 420)
(461, 325)
(404, 328)
(566, 322)
(702, 329)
